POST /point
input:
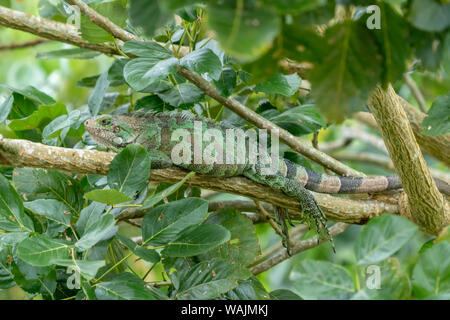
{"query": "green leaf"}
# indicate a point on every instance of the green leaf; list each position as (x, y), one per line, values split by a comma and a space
(181, 95)
(53, 210)
(96, 97)
(284, 294)
(5, 108)
(125, 286)
(130, 170)
(103, 229)
(6, 275)
(243, 246)
(437, 121)
(152, 102)
(208, 280)
(226, 82)
(393, 41)
(244, 33)
(114, 11)
(147, 50)
(148, 15)
(161, 70)
(49, 184)
(381, 237)
(39, 118)
(349, 71)
(12, 214)
(53, 129)
(135, 70)
(321, 280)
(75, 53)
(203, 61)
(90, 215)
(32, 93)
(11, 238)
(286, 85)
(196, 240)
(164, 223)
(430, 15)
(249, 289)
(43, 251)
(87, 268)
(299, 120)
(154, 199)
(108, 196)
(431, 275)
(146, 254)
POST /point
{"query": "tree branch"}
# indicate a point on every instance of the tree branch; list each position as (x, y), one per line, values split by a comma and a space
(26, 44)
(415, 92)
(426, 205)
(23, 153)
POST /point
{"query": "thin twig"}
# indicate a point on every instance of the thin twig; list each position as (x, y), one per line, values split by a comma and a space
(272, 223)
(20, 45)
(417, 94)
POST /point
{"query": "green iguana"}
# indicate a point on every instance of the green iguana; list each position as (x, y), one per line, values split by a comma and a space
(154, 131)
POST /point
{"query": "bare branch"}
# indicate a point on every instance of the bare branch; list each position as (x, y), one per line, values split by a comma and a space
(415, 92)
(20, 45)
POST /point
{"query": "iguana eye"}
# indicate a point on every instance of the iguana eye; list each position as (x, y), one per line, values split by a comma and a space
(105, 122)
(116, 129)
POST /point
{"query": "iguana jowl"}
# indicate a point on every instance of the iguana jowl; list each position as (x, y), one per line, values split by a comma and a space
(154, 132)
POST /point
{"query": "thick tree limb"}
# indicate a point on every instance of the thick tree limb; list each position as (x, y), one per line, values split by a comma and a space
(427, 206)
(23, 153)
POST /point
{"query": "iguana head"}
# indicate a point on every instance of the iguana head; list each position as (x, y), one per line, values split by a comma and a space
(114, 131)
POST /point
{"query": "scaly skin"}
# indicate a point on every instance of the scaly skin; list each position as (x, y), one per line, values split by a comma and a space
(154, 132)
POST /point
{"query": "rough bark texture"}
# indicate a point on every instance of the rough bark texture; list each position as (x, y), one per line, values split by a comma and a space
(426, 205)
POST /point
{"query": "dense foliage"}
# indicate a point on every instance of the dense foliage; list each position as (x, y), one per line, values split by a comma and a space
(59, 238)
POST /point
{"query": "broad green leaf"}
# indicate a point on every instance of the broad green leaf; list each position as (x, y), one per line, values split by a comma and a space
(209, 279)
(154, 199)
(430, 15)
(164, 223)
(431, 275)
(5, 108)
(75, 53)
(349, 71)
(152, 102)
(114, 11)
(284, 294)
(147, 50)
(438, 120)
(125, 286)
(196, 240)
(321, 280)
(226, 82)
(43, 251)
(12, 214)
(53, 210)
(34, 279)
(203, 61)
(286, 85)
(249, 289)
(244, 33)
(181, 95)
(96, 97)
(22, 106)
(103, 229)
(11, 238)
(87, 268)
(39, 118)
(35, 184)
(393, 40)
(381, 237)
(161, 70)
(149, 15)
(298, 120)
(53, 129)
(135, 70)
(6, 275)
(243, 246)
(146, 254)
(108, 196)
(90, 215)
(130, 170)
(32, 93)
